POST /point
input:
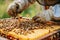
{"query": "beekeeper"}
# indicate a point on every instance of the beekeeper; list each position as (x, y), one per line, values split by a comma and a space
(48, 14)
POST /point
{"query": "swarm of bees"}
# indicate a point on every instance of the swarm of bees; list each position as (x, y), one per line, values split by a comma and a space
(23, 27)
(24, 24)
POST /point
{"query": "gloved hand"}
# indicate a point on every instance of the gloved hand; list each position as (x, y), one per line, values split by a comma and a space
(18, 6)
(45, 16)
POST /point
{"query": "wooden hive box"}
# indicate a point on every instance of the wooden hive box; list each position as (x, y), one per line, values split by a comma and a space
(26, 29)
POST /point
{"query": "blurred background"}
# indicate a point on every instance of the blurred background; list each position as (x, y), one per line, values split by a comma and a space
(29, 12)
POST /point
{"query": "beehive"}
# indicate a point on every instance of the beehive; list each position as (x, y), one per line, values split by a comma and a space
(25, 29)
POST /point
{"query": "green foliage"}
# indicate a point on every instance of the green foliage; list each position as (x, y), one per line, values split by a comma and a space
(2, 2)
(5, 15)
(3, 9)
(29, 12)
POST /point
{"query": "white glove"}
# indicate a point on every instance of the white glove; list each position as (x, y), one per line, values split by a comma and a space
(46, 15)
(17, 6)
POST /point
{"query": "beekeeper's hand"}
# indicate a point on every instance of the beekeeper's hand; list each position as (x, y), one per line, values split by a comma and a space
(45, 16)
(17, 6)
